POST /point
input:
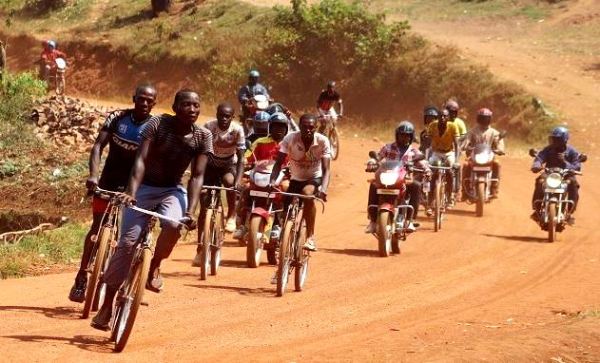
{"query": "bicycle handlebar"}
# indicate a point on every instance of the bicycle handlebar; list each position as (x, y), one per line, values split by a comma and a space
(220, 188)
(440, 167)
(157, 215)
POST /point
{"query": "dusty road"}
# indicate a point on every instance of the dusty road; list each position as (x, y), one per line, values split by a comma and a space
(480, 289)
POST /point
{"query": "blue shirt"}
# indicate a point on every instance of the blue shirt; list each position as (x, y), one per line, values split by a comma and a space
(248, 91)
(549, 157)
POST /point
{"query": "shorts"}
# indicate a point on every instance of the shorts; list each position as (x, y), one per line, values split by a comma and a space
(296, 186)
(213, 176)
(99, 205)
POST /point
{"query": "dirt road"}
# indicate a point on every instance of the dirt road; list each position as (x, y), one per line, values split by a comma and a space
(480, 289)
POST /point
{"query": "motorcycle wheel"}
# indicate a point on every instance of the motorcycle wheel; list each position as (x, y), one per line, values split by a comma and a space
(60, 85)
(480, 199)
(551, 222)
(384, 233)
(437, 210)
(334, 139)
(254, 247)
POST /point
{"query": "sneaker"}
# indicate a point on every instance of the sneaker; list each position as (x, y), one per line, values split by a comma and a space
(411, 227)
(371, 228)
(102, 319)
(77, 293)
(230, 225)
(197, 261)
(155, 281)
(310, 244)
(429, 212)
(240, 232)
(275, 232)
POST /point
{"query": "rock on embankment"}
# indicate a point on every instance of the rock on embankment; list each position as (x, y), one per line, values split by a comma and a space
(67, 122)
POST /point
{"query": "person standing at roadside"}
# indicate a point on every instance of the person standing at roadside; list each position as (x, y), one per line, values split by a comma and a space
(2, 60)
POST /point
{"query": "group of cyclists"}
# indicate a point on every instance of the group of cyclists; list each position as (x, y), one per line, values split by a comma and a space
(148, 156)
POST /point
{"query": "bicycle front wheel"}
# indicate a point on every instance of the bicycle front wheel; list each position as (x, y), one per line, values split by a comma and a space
(302, 257)
(205, 244)
(285, 258)
(218, 235)
(334, 139)
(130, 300)
(98, 259)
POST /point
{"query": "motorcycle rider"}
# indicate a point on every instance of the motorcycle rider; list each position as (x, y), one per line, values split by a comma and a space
(402, 150)
(168, 145)
(444, 149)
(430, 114)
(260, 126)
(264, 148)
(226, 165)
(558, 154)
(278, 107)
(48, 58)
(327, 101)
(309, 159)
(484, 133)
(248, 91)
(122, 132)
(453, 107)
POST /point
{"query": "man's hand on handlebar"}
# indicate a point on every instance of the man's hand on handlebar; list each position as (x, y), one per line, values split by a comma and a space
(321, 195)
(91, 183)
(189, 221)
(126, 199)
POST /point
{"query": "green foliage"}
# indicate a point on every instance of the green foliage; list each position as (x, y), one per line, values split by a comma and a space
(59, 246)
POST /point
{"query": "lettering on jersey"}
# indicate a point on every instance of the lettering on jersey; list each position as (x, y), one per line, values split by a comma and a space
(124, 144)
(122, 128)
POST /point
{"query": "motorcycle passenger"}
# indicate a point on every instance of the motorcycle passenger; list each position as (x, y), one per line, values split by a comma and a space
(264, 148)
(444, 150)
(453, 108)
(558, 154)
(168, 145)
(260, 126)
(309, 159)
(278, 107)
(226, 165)
(484, 133)
(327, 101)
(430, 114)
(402, 150)
(122, 132)
(248, 91)
(48, 58)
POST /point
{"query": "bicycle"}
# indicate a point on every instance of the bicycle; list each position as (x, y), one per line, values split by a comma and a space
(131, 292)
(291, 254)
(328, 128)
(102, 251)
(213, 232)
(440, 201)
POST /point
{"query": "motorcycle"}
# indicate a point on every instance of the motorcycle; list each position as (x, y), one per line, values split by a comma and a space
(264, 208)
(554, 209)
(328, 128)
(394, 214)
(253, 105)
(54, 75)
(477, 187)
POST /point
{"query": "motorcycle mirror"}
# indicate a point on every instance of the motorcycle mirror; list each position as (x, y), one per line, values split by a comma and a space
(582, 158)
(372, 154)
(532, 153)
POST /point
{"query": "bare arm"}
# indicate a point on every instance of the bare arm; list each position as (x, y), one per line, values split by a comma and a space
(277, 167)
(239, 169)
(195, 182)
(341, 103)
(326, 167)
(96, 153)
(139, 167)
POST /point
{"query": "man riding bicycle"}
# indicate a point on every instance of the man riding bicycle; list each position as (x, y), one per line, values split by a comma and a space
(453, 107)
(444, 149)
(327, 101)
(48, 58)
(122, 132)
(248, 91)
(309, 159)
(169, 144)
(225, 167)
(401, 150)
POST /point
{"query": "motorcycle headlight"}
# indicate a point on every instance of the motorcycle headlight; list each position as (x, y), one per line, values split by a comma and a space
(482, 158)
(388, 178)
(261, 180)
(553, 180)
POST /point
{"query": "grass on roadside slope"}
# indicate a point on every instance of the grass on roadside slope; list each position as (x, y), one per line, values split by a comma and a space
(29, 257)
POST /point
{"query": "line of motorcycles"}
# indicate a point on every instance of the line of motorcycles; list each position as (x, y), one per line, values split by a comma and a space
(395, 214)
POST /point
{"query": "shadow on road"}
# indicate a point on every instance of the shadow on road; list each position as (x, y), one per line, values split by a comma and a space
(59, 312)
(87, 342)
(529, 239)
(352, 252)
(234, 263)
(247, 291)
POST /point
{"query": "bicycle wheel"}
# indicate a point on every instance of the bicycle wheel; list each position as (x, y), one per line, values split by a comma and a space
(130, 300)
(437, 211)
(217, 242)
(334, 139)
(302, 257)
(205, 244)
(98, 258)
(254, 247)
(285, 258)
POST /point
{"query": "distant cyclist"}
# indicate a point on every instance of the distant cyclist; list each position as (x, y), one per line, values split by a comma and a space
(327, 101)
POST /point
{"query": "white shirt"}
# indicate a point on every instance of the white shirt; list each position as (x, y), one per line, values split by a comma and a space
(227, 142)
(305, 165)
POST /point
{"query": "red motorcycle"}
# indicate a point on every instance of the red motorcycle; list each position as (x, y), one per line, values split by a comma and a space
(394, 214)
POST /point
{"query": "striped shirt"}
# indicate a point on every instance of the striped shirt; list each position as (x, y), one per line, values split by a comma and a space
(170, 154)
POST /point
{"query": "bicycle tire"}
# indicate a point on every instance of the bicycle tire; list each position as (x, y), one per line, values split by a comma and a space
(437, 212)
(99, 258)
(215, 248)
(302, 256)
(285, 260)
(205, 245)
(334, 139)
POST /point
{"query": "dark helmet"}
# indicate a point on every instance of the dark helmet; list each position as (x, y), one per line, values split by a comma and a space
(452, 105)
(261, 123)
(274, 108)
(331, 84)
(278, 118)
(484, 116)
(559, 136)
(431, 111)
(407, 128)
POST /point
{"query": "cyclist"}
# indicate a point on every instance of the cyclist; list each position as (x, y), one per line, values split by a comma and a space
(402, 150)
(558, 154)
(453, 108)
(430, 113)
(169, 144)
(483, 133)
(327, 100)
(225, 167)
(48, 57)
(444, 150)
(264, 148)
(121, 131)
(248, 91)
(309, 159)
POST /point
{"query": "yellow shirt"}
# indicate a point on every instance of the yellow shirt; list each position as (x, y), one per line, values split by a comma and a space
(462, 127)
(442, 143)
